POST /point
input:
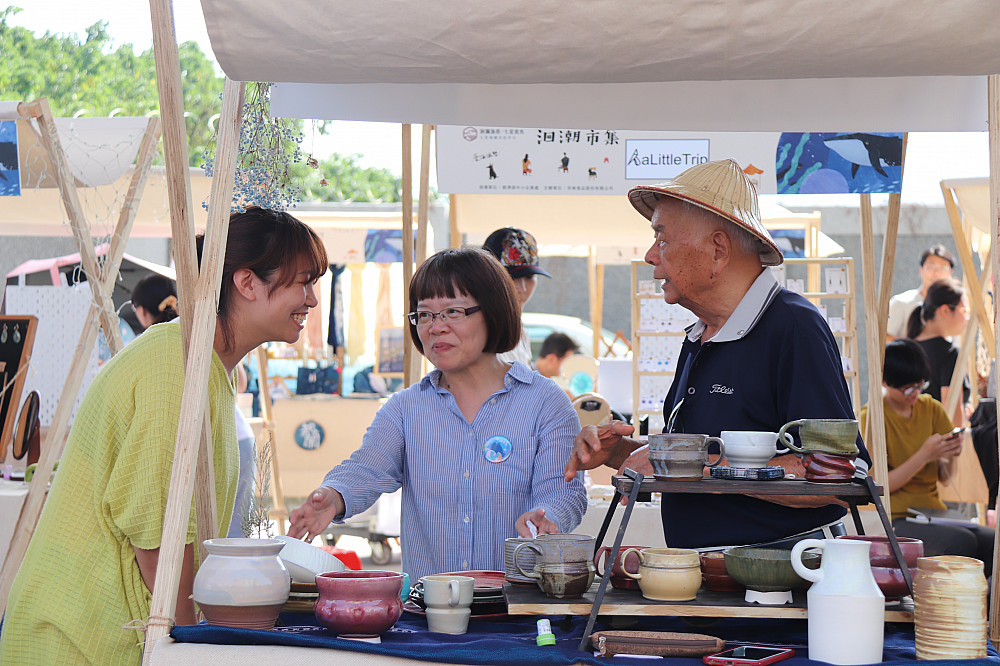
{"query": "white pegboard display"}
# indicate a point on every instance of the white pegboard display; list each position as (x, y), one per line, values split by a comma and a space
(652, 390)
(657, 316)
(61, 313)
(659, 354)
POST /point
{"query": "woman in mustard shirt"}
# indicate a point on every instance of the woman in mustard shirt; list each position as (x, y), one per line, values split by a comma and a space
(920, 448)
(89, 570)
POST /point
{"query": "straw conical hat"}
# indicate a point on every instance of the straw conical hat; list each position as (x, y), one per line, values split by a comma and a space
(719, 187)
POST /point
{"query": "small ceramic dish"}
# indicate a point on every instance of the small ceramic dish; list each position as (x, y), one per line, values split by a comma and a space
(305, 561)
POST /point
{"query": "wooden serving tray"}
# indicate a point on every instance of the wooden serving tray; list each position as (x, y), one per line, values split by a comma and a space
(532, 601)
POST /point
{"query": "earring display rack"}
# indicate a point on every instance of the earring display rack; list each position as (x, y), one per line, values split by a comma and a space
(599, 600)
(15, 352)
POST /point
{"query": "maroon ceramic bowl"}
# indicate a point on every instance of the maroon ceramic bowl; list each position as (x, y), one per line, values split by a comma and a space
(890, 580)
(881, 551)
(359, 603)
(720, 583)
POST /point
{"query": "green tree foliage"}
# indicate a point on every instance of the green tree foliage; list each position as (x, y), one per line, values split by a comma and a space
(340, 178)
(91, 78)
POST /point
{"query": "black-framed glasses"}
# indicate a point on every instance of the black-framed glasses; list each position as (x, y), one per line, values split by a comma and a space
(913, 389)
(448, 315)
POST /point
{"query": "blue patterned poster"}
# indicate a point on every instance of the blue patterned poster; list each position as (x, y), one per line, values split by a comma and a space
(836, 163)
(10, 172)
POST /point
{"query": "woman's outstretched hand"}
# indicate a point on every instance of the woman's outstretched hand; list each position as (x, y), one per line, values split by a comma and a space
(310, 519)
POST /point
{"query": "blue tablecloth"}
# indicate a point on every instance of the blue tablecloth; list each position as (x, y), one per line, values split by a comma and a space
(512, 640)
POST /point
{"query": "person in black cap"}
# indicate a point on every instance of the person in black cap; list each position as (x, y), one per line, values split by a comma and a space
(518, 253)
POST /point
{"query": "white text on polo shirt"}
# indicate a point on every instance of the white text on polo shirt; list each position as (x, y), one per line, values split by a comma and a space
(719, 388)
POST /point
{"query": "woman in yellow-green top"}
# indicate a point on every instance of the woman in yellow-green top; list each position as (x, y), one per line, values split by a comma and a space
(90, 567)
(919, 449)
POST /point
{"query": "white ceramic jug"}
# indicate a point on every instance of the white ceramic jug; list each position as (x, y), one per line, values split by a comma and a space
(846, 608)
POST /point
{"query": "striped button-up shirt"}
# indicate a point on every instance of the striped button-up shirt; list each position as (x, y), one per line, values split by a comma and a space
(458, 506)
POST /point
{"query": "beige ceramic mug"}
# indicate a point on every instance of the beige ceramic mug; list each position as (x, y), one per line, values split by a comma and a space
(837, 436)
(448, 620)
(441, 591)
(667, 574)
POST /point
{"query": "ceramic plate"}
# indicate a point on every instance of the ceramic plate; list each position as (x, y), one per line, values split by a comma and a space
(411, 607)
(486, 581)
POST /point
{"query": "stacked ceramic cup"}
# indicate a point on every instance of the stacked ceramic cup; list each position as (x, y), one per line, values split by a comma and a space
(829, 448)
(526, 558)
(949, 604)
(448, 599)
(564, 568)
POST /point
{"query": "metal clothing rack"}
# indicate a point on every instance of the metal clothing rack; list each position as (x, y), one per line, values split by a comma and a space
(856, 493)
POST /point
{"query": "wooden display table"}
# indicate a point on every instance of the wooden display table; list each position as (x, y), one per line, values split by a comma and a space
(524, 600)
(855, 493)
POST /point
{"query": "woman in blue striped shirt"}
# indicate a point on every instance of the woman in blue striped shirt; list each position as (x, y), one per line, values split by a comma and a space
(478, 445)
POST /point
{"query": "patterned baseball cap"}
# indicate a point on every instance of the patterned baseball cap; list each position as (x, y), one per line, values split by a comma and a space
(517, 251)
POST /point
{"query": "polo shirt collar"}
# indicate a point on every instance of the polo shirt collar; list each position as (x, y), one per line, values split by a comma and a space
(747, 313)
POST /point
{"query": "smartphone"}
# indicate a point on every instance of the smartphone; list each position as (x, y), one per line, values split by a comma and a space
(748, 655)
(957, 431)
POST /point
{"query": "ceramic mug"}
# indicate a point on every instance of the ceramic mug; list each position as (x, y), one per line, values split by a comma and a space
(682, 456)
(564, 581)
(667, 574)
(527, 558)
(750, 448)
(448, 620)
(449, 591)
(621, 564)
(836, 436)
(556, 549)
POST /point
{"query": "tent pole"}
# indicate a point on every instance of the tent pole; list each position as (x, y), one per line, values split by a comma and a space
(993, 114)
(875, 345)
(454, 239)
(889, 256)
(197, 367)
(592, 297)
(968, 267)
(424, 198)
(409, 351)
(278, 512)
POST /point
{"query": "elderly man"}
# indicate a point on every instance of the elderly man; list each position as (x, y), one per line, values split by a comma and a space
(758, 357)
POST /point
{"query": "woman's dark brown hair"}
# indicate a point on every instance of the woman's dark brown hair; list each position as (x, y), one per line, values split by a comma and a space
(270, 243)
(947, 291)
(477, 274)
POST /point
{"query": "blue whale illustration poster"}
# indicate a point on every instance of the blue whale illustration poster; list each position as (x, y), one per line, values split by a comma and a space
(10, 172)
(837, 163)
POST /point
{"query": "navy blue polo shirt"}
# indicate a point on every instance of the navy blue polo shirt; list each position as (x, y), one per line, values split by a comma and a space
(775, 360)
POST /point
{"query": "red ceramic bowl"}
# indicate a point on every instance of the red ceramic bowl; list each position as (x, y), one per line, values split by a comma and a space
(359, 603)
(713, 563)
(720, 583)
(881, 551)
(890, 580)
(823, 467)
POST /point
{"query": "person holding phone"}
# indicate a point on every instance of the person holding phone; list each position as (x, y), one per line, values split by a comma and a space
(920, 446)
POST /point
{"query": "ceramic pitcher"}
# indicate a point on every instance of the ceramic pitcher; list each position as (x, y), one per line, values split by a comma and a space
(845, 606)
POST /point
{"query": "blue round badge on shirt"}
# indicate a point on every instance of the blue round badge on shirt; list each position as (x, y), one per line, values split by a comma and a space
(497, 449)
(309, 435)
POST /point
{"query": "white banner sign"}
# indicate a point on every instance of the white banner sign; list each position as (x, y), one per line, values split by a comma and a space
(513, 160)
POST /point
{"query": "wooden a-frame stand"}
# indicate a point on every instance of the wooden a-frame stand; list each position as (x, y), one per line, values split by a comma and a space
(101, 316)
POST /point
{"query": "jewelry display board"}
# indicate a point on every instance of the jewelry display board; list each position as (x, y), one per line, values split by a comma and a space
(17, 338)
(658, 327)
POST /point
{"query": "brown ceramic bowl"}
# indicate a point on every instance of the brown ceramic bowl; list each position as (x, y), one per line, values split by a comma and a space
(720, 583)
(768, 569)
(827, 467)
(713, 563)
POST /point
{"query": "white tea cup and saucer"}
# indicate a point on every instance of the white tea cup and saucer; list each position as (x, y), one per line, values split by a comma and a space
(750, 449)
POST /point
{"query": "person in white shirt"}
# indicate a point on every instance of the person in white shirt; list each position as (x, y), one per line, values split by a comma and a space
(936, 263)
(518, 253)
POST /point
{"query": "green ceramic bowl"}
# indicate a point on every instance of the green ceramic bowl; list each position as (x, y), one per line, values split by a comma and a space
(767, 569)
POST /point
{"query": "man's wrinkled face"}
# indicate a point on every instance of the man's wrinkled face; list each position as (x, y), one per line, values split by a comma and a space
(681, 254)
